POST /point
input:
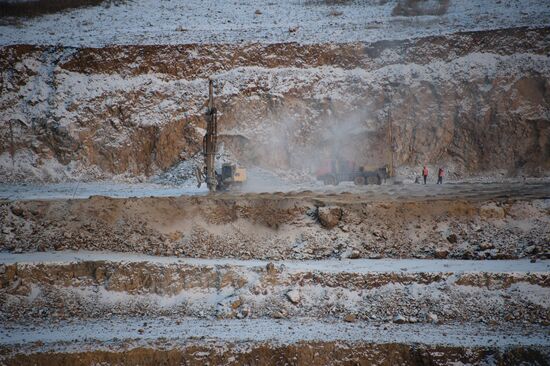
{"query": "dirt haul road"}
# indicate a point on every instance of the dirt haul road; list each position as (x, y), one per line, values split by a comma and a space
(377, 275)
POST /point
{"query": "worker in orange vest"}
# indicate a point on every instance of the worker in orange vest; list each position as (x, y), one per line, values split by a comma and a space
(440, 175)
(425, 173)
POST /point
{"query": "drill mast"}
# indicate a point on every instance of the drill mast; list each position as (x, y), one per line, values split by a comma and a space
(210, 140)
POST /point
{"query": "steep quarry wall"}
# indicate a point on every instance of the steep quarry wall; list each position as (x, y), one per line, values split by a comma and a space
(474, 102)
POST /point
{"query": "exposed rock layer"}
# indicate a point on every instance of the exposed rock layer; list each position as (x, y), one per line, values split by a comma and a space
(475, 102)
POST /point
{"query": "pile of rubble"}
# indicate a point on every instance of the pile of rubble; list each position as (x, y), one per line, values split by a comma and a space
(282, 226)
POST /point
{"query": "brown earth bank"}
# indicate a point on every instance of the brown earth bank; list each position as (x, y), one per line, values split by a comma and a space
(303, 353)
(473, 102)
(302, 225)
(150, 278)
(214, 58)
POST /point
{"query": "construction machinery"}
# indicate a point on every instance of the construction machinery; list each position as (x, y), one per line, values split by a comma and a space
(231, 175)
(334, 171)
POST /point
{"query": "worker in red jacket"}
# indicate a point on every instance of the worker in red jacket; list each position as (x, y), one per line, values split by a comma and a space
(440, 175)
(425, 173)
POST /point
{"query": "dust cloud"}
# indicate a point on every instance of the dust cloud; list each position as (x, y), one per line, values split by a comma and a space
(292, 147)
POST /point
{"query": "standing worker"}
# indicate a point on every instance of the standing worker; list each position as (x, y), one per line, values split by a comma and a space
(425, 173)
(440, 175)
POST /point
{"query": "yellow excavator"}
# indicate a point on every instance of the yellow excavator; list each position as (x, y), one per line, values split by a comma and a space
(231, 175)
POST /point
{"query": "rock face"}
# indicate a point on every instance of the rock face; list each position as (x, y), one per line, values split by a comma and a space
(473, 102)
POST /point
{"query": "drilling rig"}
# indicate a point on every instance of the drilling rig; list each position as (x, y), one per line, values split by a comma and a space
(210, 140)
(231, 175)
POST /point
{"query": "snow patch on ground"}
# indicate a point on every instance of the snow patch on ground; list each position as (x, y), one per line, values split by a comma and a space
(280, 331)
(80, 190)
(193, 21)
(329, 265)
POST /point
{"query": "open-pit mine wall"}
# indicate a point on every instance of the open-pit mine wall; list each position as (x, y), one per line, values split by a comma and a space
(474, 102)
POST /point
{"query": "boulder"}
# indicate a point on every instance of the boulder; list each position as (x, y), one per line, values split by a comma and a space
(441, 253)
(420, 7)
(344, 228)
(486, 245)
(278, 314)
(236, 303)
(270, 267)
(18, 211)
(350, 318)
(431, 317)
(329, 217)
(492, 211)
(399, 319)
(244, 312)
(293, 296)
(452, 238)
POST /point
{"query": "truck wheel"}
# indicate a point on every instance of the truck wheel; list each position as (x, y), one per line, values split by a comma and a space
(372, 180)
(330, 180)
(359, 181)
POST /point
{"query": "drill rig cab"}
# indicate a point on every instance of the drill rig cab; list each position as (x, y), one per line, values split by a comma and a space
(232, 174)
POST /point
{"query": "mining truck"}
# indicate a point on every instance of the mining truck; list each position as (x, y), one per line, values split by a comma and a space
(230, 175)
(334, 171)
